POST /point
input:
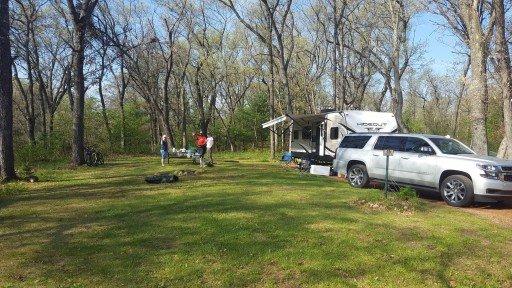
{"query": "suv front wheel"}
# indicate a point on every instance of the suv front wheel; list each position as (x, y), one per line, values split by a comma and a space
(358, 176)
(457, 191)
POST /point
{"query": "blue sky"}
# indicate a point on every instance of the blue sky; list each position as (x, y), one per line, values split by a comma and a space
(440, 45)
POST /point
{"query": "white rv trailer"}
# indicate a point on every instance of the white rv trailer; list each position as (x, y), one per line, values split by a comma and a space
(321, 134)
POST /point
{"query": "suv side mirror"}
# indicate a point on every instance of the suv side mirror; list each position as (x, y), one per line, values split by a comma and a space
(427, 150)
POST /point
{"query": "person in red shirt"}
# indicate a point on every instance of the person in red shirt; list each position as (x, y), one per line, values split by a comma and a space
(201, 140)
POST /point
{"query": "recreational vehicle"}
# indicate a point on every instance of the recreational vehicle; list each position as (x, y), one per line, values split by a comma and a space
(319, 135)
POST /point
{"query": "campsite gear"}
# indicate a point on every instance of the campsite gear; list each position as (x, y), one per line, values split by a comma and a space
(287, 157)
(321, 134)
(93, 157)
(161, 178)
(305, 164)
(320, 170)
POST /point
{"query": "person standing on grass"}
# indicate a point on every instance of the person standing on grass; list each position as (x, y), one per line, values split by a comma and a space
(201, 144)
(209, 146)
(164, 149)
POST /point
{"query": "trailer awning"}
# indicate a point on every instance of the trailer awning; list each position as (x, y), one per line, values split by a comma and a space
(300, 120)
(275, 121)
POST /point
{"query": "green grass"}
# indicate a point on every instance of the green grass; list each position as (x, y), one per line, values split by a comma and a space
(247, 223)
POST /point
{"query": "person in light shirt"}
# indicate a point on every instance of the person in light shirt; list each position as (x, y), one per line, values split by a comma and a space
(164, 149)
(209, 147)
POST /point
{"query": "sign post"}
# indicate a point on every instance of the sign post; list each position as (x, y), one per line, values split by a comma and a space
(387, 153)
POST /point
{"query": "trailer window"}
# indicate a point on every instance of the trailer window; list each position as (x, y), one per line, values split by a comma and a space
(390, 142)
(306, 132)
(335, 133)
(357, 142)
(295, 134)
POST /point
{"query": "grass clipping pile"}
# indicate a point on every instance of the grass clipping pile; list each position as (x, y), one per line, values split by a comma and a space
(404, 201)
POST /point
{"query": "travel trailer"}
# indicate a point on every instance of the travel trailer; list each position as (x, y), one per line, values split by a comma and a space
(319, 135)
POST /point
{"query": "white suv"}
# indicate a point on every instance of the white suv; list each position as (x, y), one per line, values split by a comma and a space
(425, 162)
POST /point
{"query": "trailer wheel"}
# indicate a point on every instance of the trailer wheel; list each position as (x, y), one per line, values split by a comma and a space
(357, 176)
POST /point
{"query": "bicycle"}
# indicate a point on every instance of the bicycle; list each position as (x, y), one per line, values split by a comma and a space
(93, 157)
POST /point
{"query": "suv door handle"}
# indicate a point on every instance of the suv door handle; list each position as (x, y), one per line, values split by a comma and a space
(404, 157)
(376, 155)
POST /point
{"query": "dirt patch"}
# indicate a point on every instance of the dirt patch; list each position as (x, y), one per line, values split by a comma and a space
(499, 213)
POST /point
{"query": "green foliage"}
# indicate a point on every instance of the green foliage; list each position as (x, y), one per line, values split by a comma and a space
(137, 134)
(54, 147)
(406, 193)
(244, 126)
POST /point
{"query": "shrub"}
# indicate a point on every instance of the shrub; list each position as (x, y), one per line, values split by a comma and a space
(405, 200)
(406, 193)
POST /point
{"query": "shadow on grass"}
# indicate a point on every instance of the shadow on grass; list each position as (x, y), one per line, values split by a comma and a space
(238, 224)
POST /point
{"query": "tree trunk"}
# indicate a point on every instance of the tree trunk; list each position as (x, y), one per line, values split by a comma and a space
(44, 118)
(335, 55)
(271, 95)
(123, 125)
(184, 119)
(31, 128)
(398, 99)
(477, 88)
(6, 110)
(50, 123)
(78, 145)
(478, 93)
(154, 131)
(504, 70)
(459, 98)
(166, 126)
(102, 98)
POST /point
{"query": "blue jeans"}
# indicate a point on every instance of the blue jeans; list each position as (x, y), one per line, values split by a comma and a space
(164, 153)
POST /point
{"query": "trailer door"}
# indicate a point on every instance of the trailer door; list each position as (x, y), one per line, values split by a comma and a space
(321, 139)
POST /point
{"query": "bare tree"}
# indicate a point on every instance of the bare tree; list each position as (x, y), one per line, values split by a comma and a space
(280, 17)
(81, 15)
(505, 78)
(52, 67)
(25, 20)
(6, 112)
(472, 21)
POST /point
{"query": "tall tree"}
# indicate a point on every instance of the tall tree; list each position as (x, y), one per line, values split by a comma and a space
(25, 19)
(282, 23)
(81, 14)
(472, 21)
(6, 114)
(505, 78)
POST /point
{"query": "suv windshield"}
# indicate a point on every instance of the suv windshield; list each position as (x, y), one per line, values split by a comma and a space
(450, 146)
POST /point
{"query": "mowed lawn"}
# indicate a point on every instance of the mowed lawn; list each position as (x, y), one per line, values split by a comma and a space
(246, 223)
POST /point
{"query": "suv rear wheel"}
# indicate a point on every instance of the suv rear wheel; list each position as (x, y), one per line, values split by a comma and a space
(358, 176)
(457, 191)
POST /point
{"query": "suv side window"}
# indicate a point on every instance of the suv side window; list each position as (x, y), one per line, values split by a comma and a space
(413, 145)
(390, 142)
(357, 142)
